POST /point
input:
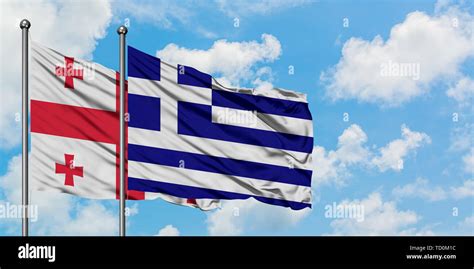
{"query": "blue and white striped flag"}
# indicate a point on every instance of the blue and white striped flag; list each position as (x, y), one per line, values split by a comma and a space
(190, 137)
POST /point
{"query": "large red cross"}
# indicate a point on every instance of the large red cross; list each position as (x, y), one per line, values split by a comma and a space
(69, 72)
(69, 169)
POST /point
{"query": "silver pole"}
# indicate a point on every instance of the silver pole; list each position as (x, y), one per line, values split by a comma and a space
(25, 26)
(122, 31)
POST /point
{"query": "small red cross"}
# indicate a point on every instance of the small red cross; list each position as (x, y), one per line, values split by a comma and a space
(69, 170)
(69, 72)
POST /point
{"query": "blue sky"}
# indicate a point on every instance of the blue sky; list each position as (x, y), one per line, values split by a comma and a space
(432, 176)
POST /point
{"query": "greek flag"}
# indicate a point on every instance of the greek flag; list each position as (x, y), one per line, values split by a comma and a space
(190, 137)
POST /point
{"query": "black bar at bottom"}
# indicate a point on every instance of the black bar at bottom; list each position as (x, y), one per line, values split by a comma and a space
(403, 251)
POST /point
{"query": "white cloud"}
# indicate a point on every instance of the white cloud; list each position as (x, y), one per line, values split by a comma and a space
(462, 91)
(333, 166)
(262, 7)
(160, 13)
(423, 189)
(461, 137)
(442, 5)
(467, 226)
(391, 156)
(206, 32)
(237, 217)
(10, 182)
(58, 214)
(350, 145)
(327, 168)
(264, 79)
(420, 188)
(70, 27)
(381, 218)
(423, 231)
(168, 230)
(461, 141)
(91, 219)
(466, 190)
(468, 161)
(233, 60)
(167, 13)
(132, 210)
(367, 70)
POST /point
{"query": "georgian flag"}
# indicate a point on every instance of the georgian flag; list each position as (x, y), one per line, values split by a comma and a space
(75, 129)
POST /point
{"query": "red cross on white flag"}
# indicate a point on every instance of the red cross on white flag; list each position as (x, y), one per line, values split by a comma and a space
(69, 169)
(69, 73)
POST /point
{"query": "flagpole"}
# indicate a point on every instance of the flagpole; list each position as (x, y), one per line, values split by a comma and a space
(122, 31)
(24, 26)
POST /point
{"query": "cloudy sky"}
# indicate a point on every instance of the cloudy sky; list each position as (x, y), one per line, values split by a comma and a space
(389, 83)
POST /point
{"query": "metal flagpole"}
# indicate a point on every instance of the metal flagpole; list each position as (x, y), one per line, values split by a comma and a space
(122, 31)
(25, 26)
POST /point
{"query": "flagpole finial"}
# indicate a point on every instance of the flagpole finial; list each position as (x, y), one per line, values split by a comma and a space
(25, 24)
(122, 30)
